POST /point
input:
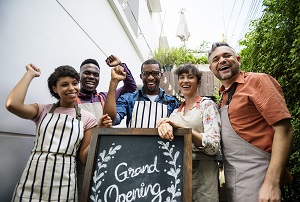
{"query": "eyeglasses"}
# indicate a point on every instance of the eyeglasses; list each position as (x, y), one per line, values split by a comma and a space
(154, 74)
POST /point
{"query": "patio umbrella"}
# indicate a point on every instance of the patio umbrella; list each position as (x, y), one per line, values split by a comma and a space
(183, 31)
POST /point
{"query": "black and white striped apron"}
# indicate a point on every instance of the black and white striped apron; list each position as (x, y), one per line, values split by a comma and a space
(50, 173)
(145, 114)
(95, 108)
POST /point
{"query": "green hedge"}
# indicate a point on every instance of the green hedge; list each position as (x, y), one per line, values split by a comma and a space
(273, 47)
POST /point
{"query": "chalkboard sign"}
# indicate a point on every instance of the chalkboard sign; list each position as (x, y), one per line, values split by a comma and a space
(127, 164)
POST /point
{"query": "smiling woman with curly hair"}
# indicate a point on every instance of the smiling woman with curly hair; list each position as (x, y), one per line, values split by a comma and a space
(63, 131)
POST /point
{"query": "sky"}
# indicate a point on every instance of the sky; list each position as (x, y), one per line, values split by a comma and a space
(209, 20)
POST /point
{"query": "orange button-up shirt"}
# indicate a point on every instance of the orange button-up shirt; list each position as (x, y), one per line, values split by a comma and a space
(257, 104)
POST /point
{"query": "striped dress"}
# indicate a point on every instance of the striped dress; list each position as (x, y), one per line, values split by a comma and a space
(50, 173)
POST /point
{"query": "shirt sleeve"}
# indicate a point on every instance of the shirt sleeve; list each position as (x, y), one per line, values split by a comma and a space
(269, 95)
(212, 128)
(122, 109)
(89, 120)
(129, 85)
(117, 120)
(43, 109)
(172, 105)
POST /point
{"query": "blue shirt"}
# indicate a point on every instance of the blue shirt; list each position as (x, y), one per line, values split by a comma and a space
(125, 104)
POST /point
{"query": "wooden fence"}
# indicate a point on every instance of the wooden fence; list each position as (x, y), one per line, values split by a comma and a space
(208, 82)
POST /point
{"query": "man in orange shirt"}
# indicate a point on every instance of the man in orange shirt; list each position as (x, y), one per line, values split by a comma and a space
(256, 129)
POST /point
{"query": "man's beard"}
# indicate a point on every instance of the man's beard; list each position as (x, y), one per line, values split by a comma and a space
(232, 73)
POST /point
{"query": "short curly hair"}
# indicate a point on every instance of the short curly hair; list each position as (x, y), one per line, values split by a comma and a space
(90, 61)
(61, 71)
(185, 68)
(151, 62)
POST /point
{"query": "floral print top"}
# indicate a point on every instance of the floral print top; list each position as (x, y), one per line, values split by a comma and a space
(205, 120)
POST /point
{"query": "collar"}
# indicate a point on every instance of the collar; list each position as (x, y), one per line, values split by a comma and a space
(87, 96)
(160, 93)
(239, 79)
(197, 104)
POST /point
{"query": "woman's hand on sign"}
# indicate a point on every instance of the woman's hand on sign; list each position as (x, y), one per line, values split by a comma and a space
(161, 121)
(165, 131)
(170, 121)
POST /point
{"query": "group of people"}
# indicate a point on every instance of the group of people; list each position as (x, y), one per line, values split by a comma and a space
(250, 125)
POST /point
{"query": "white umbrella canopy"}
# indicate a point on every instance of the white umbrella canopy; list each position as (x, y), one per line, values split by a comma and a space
(183, 31)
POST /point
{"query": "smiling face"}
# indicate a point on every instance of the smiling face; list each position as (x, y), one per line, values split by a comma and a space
(188, 84)
(67, 88)
(89, 78)
(224, 64)
(151, 76)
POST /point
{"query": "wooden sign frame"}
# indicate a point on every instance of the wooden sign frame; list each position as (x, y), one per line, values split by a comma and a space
(94, 147)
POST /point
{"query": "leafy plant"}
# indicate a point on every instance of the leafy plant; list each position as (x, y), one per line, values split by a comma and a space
(176, 56)
(273, 47)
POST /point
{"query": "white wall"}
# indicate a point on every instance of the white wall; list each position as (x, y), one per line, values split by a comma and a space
(41, 32)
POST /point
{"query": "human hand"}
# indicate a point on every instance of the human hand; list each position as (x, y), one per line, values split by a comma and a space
(117, 73)
(161, 121)
(105, 121)
(165, 131)
(34, 70)
(269, 192)
(113, 61)
(170, 121)
(176, 124)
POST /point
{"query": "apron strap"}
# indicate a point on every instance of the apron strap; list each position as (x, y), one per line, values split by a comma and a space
(139, 96)
(78, 100)
(55, 105)
(197, 104)
(78, 114)
(100, 98)
(231, 92)
(77, 109)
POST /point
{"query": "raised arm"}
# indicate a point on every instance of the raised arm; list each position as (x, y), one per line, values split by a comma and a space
(129, 84)
(15, 101)
(117, 74)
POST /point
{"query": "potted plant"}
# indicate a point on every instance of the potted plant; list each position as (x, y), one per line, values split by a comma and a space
(168, 57)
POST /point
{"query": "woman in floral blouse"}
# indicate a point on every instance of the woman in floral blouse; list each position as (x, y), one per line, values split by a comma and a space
(202, 115)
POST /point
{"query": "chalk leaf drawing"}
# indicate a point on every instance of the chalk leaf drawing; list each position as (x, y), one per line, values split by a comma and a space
(174, 171)
(99, 173)
(105, 157)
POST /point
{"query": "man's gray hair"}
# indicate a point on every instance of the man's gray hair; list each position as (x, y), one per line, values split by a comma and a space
(218, 44)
